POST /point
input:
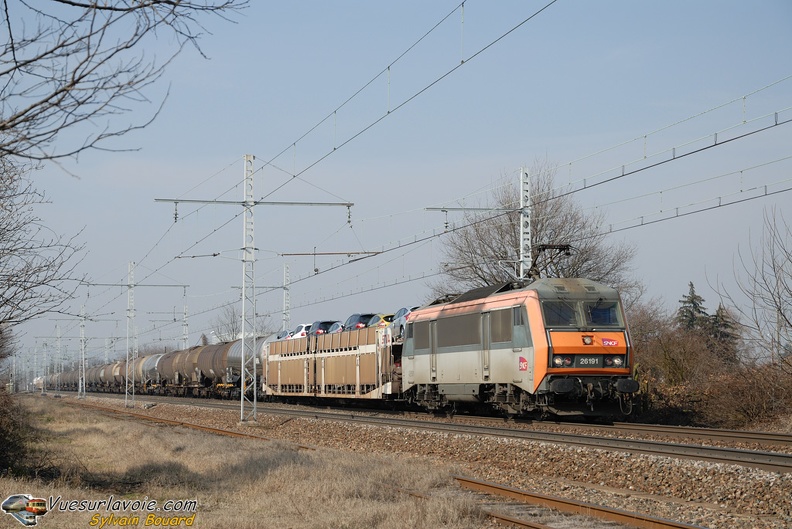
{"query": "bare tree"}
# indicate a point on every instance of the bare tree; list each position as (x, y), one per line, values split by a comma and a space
(6, 344)
(37, 266)
(765, 279)
(485, 250)
(228, 326)
(71, 63)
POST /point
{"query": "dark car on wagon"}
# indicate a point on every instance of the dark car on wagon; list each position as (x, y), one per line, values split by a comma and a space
(358, 321)
(320, 327)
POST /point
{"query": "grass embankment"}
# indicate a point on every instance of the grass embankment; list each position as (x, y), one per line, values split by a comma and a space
(80, 454)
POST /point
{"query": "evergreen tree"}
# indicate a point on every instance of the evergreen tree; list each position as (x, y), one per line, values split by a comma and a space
(724, 335)
(692, 315)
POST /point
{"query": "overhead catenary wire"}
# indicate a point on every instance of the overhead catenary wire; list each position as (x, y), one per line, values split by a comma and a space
(483, 219)
(684, 120)
(359, 91)
(408, 100)
(477, 53)
(296, 175)
(674, 156)
(716, 143)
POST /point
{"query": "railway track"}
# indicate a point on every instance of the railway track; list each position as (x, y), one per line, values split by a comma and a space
(782, 441)
(564, 505)
(525, 509)
(740, 437)
(770, 461)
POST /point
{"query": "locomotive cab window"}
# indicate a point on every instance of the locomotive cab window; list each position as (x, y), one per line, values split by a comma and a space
(602, 314)
(408, 332)
(560, 314)
(522, 334)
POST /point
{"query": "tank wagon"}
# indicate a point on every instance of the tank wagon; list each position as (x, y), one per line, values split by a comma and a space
(553, 347)
(201, 371)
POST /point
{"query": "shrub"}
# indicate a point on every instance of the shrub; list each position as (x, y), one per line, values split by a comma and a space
(746, 395)
(741, 397)
(14, 430)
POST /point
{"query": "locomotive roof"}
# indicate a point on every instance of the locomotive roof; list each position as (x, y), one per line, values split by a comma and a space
(482, 292)
(574, 287)
(546, 288)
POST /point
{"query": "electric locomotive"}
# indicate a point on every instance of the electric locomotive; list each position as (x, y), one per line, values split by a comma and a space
(555, 346)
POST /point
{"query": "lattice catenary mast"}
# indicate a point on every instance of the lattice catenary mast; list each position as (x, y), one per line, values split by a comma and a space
(248, 367)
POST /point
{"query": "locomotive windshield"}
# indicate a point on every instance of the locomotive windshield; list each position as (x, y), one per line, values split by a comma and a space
(560, 314)
(602, 314)
(577, 314)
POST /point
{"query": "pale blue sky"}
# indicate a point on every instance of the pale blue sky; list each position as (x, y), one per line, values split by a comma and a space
(579, 78)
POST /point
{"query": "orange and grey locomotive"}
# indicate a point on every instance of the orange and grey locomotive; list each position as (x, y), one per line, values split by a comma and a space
(555, 346)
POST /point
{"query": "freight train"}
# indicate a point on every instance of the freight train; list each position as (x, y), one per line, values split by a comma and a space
(554, 347)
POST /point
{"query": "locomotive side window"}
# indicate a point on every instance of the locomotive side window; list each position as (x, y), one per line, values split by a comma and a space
(560, 314)
(602, 314)
(421, 331)
(501, 325)
(459, 330)
(408, 332)
(518, 316)
(522, 334)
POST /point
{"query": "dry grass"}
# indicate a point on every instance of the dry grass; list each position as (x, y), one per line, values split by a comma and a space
(85, 455)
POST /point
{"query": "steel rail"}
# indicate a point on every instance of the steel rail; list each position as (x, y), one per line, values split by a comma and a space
(740, 436)
(659, 430)
(504, 519)
(171, 422)
(499, 517)
(571, 506)
(685, 432)
(769, 461)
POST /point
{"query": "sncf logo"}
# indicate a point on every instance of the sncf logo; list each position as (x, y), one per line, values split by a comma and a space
(523, 365)
(608, 342)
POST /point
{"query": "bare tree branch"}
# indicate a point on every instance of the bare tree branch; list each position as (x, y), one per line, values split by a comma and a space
(765, 279)
(228, 325)
(486, 250)
(79, 65)
(37, 267)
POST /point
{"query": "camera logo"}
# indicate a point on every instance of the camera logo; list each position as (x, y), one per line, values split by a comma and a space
(25, 508)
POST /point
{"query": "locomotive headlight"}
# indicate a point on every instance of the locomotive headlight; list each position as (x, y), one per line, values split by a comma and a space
(558, 361)
(567, 361)
(608, 361)
(588, 340)
(618, 361)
